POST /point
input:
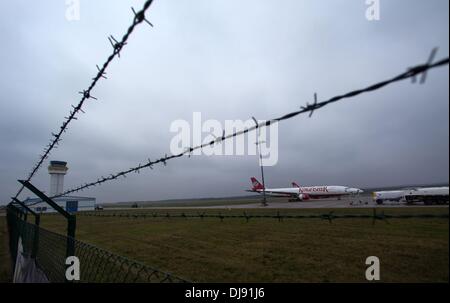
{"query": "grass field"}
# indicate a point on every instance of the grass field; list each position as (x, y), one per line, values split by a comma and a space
(265, 250)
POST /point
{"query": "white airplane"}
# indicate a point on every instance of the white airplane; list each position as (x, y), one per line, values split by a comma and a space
(428, 195)
(302, 193)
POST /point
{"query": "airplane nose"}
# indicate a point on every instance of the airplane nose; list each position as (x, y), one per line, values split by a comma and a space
(354, 190)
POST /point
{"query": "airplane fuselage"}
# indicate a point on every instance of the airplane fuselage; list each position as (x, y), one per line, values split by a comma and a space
(305, 192)
(311, 192)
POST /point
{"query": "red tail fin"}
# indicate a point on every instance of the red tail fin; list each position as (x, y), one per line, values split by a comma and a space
(295, 185)
(255, 183)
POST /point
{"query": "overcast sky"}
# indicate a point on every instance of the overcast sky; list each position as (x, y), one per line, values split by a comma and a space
(228, 60)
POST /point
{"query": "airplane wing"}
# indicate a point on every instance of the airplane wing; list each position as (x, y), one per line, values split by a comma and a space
(281, 194)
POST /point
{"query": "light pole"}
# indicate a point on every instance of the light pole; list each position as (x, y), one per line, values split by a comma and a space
(264, 201)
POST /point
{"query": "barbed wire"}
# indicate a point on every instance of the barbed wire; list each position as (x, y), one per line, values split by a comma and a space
(411, 73)
(330, 216)
(139, 17)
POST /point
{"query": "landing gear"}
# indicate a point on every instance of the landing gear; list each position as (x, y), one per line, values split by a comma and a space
(356, 197)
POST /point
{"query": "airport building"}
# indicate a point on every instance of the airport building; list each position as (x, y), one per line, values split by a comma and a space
(57, 171)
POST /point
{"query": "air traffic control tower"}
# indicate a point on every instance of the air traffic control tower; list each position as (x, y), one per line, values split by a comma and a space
(57, 170)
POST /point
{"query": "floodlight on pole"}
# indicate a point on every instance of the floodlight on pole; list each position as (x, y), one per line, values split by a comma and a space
(258, 142)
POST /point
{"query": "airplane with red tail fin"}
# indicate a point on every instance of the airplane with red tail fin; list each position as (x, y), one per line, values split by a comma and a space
(303, 193)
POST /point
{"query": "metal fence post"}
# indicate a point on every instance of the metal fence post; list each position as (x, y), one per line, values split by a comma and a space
(13, 216)
(37, 220)
(71, 219)
(71, 226)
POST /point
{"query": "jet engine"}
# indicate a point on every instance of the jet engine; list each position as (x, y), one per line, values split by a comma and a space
(303, 197)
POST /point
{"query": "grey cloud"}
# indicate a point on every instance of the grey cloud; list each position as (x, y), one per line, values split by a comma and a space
(229, 60)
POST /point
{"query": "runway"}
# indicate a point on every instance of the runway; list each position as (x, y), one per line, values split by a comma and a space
(361, 202)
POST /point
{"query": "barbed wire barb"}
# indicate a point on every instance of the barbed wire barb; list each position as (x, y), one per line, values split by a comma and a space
(418, 69)
(101, 73)
(139, 17)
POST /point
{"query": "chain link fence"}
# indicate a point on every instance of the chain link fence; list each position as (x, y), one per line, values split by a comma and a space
(45, 253)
